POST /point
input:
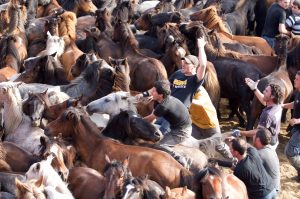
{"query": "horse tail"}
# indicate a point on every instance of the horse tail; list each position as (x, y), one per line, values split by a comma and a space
(211, 84)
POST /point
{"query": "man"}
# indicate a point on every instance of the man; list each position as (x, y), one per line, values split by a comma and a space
(292, 149)
(292, 23)
(268, 155)
(275, 21)
(173, 110)
(270, 117)
(251, 171)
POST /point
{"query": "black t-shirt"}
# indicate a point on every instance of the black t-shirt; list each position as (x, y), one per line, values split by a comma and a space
(296, 112)
(276, 15)
(252, 172)
(174, 112)
(184, 87)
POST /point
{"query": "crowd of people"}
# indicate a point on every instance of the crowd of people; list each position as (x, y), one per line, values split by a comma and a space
(183, 109)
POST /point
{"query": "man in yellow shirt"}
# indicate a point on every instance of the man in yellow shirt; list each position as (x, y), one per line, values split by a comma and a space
(205, 123)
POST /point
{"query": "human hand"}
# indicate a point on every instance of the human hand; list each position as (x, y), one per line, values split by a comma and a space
(252, 84)
(201, 42)
(293, 121)
(236, 133)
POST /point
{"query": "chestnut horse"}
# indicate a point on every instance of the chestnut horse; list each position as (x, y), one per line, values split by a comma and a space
(179, 193)
(80, 7)
(216, 184)
(144, 71)
(92, 148)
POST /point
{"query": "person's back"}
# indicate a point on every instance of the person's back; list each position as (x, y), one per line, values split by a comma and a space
(252, 172)
(271, 163)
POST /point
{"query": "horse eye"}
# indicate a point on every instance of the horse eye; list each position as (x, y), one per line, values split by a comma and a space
(107, 100)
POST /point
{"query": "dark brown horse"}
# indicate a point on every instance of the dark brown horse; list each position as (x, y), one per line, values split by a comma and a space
(92, 148)
(144, 71)
(80, 7)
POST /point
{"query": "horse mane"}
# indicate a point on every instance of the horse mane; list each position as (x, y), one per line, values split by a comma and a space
(293, 58)
(18, 17)
(44, 2)
(281, 50)
(69, 4)
(122, 79)
(118, 127)
(87, 122)
(127, 36)
(106, 83)
(212, 20)
(210, 80)
(8, 47)
(67, 27)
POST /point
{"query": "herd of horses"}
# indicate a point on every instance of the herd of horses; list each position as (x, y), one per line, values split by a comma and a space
(71, 123)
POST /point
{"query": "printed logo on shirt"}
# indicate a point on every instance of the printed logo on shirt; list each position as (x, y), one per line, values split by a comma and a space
(179, 83)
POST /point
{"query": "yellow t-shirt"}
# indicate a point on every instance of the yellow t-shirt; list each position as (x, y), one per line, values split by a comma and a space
(202, 111)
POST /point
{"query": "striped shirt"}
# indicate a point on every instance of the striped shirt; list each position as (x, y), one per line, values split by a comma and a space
(293, 23)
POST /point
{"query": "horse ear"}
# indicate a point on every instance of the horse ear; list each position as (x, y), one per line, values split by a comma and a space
(20, 186)
(111, 61)
(49, 34)
(4, 90)
(38, 166)
(168, 191)
(53, 54)
(39, 182)
(184, 191)
(44, 93)
(126, 161)
(107, 159)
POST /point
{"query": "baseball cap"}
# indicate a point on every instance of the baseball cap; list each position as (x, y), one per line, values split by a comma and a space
(191, 59)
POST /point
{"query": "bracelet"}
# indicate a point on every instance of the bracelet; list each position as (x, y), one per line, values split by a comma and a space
(146, 94)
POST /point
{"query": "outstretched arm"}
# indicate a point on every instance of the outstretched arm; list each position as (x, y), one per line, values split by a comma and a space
(202, 59)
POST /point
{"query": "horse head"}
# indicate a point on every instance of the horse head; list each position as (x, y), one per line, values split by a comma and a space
(32, 189)
(117, 172)
(81, 63)
(52, 147)
(112, 104)
(122, 78)
(86, 6)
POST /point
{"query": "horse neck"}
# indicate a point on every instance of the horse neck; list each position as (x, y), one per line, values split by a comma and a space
(85, 140)
(16, 23)
(13, 116)
(168, 63)
(12, 62)
(282, 57)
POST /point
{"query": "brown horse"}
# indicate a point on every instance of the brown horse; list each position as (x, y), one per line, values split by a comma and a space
(144, 71)
(92, 148)
(179, 193)
(80, 7)
(216, 184)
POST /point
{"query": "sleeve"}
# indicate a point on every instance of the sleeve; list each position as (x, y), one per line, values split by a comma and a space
(159, 111)
(289, 22)
(282, 17)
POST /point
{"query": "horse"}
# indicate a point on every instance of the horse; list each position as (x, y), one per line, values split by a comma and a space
(83, 23)
(82, 63)
(36, 104)
(80, 7)
(18, 159)
(43, 69)
(54, 186)
(125, 11)
(54, 44)
(144, 71)
(216, 184)
(182, 4)
(18, 125)
(92, 148)
(127, 127)
(32, 7)
(32, 189)
(8, 184)
(141, 187)
(179, 193)
(103, 22)
(114, 102)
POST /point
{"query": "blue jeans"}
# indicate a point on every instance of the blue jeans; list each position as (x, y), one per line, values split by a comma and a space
(271, 195)
(292, 150)
(164, 125)
(270, 40)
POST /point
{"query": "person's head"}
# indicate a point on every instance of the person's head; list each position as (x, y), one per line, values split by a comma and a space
(296, 7)
(262, 138)
(273, 93)
(297, 80)
(161, 90)
(238, 147)
(189, 64)
(284, 3)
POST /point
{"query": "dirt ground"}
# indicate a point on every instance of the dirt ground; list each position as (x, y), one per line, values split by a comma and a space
(290, 189)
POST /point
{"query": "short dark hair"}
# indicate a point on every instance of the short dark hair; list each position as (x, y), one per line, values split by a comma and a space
(298, 72)
(163, 87)
(264, 135)
(297, 3)
(239, 145)
(276, 92)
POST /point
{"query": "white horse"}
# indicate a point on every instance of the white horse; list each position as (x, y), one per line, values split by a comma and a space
(54, 44)
(17, 125)
(54, 186)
